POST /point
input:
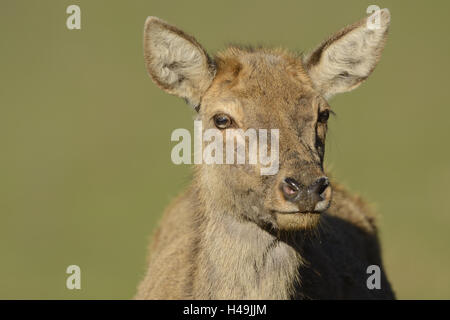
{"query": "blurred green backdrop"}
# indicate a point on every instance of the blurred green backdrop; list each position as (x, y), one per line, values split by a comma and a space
(85, 169)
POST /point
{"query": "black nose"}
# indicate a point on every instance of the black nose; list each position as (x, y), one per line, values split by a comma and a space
(316, 189)
(305, 196)
(291, 189)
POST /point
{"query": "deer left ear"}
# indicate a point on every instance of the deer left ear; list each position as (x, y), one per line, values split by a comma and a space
(347, 58)
(176, 62)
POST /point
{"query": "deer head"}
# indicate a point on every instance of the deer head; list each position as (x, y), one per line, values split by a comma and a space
(245, 88)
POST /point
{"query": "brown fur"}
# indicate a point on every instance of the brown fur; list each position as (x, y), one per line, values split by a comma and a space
(229, 235)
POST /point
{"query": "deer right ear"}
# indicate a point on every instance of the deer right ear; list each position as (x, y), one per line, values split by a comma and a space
(348, 57)
(176, 62)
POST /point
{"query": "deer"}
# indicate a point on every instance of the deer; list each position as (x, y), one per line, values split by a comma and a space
(236, 234)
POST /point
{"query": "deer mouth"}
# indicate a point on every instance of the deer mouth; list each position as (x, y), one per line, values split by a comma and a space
(297, 212)
(296, 220)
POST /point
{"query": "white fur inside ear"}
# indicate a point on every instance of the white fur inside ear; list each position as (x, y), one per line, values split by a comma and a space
(175, 61)
(350, 56)
(173, 57)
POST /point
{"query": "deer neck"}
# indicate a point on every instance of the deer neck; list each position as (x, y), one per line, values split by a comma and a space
(237, 259)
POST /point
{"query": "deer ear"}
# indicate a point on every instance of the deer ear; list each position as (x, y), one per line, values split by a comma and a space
(176, 62)
(348, 57)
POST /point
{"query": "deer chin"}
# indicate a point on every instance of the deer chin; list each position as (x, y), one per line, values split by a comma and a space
(291, 221)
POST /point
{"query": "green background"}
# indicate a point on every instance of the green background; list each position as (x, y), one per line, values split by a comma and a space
(85, 169)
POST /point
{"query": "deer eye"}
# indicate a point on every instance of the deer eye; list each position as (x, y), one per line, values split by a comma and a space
(222, 121)
(323, 116)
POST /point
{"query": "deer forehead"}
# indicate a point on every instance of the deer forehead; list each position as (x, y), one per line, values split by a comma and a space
(260, 81)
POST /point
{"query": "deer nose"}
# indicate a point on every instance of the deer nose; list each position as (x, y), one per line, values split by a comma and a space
(291, 189)
(314, 197)
(318, 187)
